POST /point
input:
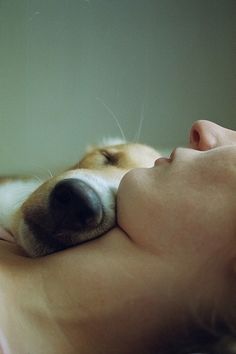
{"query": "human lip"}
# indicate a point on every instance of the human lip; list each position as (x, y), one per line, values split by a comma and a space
(162, 160)
(172, 155)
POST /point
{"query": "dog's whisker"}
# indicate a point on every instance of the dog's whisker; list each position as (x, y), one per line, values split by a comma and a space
(45, 170)
(50, 173)
(38, 178)
(113, 116)
(138, 133)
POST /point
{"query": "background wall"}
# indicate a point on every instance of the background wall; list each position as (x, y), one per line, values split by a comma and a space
(67, 67)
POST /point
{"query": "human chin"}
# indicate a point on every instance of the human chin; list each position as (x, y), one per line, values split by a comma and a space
(126, 196)
(133, 194)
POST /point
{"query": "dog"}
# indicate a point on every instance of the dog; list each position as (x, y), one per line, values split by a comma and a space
(73, 207)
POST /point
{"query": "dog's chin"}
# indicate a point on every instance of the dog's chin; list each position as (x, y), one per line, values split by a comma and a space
(41, 243)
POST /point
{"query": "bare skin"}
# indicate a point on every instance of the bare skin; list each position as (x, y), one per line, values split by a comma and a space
(98, 298)
(129, 290)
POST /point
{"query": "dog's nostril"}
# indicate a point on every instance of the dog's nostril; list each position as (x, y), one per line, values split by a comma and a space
(74, 204)
(62, 195)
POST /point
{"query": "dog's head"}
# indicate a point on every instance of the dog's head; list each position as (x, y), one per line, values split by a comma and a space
(79, 204)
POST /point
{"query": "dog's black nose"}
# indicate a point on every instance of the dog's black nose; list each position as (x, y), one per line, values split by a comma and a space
(75, 205)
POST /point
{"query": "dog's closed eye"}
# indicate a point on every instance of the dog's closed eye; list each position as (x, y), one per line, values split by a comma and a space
(109, 158)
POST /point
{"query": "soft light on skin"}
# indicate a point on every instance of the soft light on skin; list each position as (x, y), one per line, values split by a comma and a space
(183, 211)
(122, 291)
(205, 135)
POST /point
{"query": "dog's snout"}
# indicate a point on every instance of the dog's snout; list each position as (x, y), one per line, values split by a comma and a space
(75, 204)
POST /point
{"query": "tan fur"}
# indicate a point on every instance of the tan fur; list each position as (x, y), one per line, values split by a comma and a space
(101, 169)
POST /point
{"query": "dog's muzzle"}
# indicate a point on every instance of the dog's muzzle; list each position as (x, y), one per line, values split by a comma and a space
(76, 209)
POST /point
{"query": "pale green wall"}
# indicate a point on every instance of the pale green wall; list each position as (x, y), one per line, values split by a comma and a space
(63, 61)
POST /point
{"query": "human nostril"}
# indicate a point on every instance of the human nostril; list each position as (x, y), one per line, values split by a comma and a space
(195, 136)
(202, 136)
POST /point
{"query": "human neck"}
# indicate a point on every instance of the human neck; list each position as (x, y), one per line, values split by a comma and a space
(124, 303)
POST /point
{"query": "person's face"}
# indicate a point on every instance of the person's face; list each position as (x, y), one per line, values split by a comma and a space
(183, 209)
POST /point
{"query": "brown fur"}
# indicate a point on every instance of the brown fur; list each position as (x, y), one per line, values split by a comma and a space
(100, 170)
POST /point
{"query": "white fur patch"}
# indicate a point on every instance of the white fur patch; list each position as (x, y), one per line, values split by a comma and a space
(12, 195)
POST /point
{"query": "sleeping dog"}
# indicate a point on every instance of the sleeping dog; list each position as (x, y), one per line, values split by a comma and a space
(73, 207)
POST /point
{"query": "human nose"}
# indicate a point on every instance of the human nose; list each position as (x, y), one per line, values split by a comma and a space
(206, 135)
